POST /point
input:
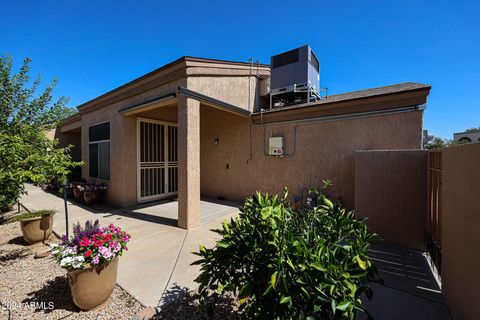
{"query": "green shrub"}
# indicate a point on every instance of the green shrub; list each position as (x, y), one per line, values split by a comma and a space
(10, 191)
(283, 263)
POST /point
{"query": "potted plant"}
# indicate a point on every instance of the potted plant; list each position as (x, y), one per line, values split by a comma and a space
(36, 226)
(91, 258)
(78, 189)
(93, 193)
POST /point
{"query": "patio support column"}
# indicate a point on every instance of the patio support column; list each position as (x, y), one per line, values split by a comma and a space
(188, 162)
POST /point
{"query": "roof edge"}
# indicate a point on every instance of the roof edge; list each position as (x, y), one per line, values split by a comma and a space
(326, 103)
(72, 119)
(163, 68)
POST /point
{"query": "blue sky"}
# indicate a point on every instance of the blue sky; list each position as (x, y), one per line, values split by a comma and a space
(95, 46)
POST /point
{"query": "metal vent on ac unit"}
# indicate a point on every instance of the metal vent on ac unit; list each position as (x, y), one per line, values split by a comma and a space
(295, 77)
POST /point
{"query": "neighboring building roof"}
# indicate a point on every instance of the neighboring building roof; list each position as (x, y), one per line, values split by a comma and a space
(468, 131)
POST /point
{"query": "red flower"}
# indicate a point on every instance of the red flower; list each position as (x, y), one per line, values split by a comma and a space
(85, 242)
(88, 253)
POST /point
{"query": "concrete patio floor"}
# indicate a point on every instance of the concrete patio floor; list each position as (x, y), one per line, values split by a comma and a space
(159, 254)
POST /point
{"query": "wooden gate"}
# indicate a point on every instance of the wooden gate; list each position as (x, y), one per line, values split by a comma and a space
(434, 211)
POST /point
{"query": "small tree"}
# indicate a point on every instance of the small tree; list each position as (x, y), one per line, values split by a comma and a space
(26, 153)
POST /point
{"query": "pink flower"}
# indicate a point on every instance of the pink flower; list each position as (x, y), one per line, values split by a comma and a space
(117, 248)
(88, 253)
(85, 242)
(105, 252)
(96, 260)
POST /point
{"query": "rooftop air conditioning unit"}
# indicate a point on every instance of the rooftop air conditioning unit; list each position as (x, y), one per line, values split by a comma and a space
(295, 76)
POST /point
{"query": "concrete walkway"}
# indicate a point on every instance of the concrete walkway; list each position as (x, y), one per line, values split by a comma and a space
(409, 291)
(159, 254)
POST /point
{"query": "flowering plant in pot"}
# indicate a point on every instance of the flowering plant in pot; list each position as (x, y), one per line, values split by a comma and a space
(78, 188)
(93, 193)
(91, 258)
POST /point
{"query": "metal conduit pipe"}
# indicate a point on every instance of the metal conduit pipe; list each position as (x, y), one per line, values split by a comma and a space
(359, 115)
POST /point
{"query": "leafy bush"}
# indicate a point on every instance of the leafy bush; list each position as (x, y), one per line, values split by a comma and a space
(284, 263)
(26, 153)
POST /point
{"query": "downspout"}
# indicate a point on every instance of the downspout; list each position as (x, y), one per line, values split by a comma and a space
(249, 79)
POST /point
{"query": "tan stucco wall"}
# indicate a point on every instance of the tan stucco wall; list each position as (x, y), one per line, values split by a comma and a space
(122, 190)
(68, 138)
(390, 189)
(323, 151)
(233, 90)
(461, 230)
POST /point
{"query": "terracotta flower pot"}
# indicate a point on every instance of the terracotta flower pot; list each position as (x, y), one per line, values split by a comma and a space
(91, 287)
(77, 193)
(92, 197)
(37, 229)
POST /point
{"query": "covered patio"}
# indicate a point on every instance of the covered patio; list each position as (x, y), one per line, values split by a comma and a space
(168, 152)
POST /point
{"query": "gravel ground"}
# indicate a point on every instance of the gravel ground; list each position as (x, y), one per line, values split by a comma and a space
(38, 288)
(179, 303)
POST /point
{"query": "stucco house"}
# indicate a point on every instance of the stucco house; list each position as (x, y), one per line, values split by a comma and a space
(471, 135)
(202, 127)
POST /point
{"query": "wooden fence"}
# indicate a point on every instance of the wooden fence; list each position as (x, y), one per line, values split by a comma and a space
(434, 207)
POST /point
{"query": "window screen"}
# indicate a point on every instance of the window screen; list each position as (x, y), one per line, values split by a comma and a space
(93, 160)
(99, 132)
(104, 160)
(99, 151)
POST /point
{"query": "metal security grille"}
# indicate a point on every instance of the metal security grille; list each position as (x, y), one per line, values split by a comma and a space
(157, 159)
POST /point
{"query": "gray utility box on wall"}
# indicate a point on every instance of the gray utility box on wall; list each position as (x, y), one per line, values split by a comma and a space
(295, 67)
(275, 146)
